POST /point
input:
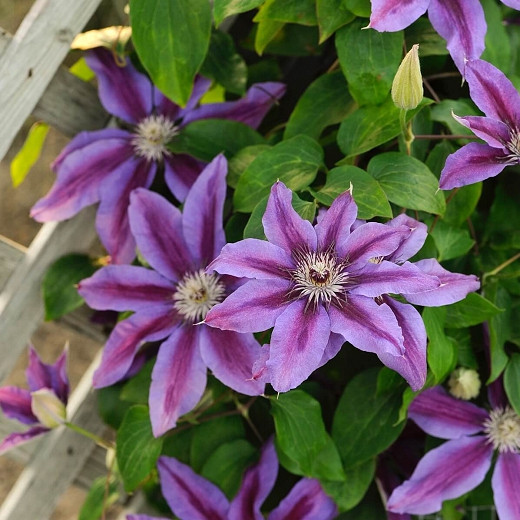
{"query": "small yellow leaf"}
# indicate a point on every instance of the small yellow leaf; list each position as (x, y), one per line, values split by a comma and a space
(109, 37)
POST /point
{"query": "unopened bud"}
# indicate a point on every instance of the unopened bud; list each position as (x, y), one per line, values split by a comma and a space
(48, 408)
(407, 88)
(464, 383)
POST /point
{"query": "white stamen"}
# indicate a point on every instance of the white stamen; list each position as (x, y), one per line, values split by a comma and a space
(197, 293)
(153, 133)
(513, 145)
(503, 429)
(320, 277)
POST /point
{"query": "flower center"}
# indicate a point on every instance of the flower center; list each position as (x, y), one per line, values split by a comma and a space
(503, 429)
(514, 147)
(320, 277)
(153, 133)
(197, 293)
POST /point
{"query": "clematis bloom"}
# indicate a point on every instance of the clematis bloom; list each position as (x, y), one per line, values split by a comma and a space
(321, 286)
(460, 22)
(170, 298)
(192, 497)
(497, 97)
(460, 464)
(106, 165)
(42, 407)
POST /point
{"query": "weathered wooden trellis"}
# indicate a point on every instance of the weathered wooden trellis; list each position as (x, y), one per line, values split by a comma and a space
(34, 81)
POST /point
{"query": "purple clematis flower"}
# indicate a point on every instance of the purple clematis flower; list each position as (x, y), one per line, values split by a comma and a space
(108, 164)
(192, 497)
(496, 96)
(170, 298)
(460, 22)
(459, 465)
(43, 405)
(319, 287)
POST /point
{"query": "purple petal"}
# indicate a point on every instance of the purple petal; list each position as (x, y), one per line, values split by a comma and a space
(16, 404)
(157, 228)
(125, 340)
(372, 240)
(180, 173)
(493, 92)
(472, 163)
(80, 176)
(178, 379)
(298, 341)
(394, 15)
(203, 212)
(454, 286)
(515, 4)
(231, 356)
(413, 243)
(112, 222)
(253, 258)
(256, 485)
(190, 496)
(463, 25)
(496, 393)
(200, 86)
(306, 501)
(449, 471)
(144, 517)
(283, 226)
(249, 110)
(253, 307)
(412, 364)
(334, 345)
(505, 486)
(441, 415)
(126, 288)
(494, 132)
(15, 439)
(377, 279)
(123, 91)
(41, 375)
(334, 226)
(368, 326)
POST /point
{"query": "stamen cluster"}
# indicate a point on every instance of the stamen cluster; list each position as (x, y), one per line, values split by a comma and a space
(153, 133)
(320, 277)
(503, 429)
(197, 293)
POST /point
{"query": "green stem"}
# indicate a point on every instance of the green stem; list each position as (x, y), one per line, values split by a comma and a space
(503, 265)
(406, 129)
(92, 436)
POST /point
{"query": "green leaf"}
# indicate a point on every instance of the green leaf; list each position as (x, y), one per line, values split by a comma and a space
(136, 390)
(371, 126)
(364, 421)
(348, 494)
(325, 102)
(255, 229)
(266, 31)
(207, 138)
(422, 33)
(407, 182)
(100, 496)
(451, 242)
(81, 70)
(224, 8)
(368, 194)
(512, 382)
(332, 14)
(290, 39)
(499, 329)
(358, 7)
(462, 203)
(225, 466)
(302, 12)
(294, 162)
(60, 295)
(369, 59)
(111, 407)
(302, 439)
(442, 112)
(442, 353)
(239, 163)
(474, 309)
(498, 45)
(210, 435)
(224, 64)
(25, 159)
(137, 450)
(171, 38)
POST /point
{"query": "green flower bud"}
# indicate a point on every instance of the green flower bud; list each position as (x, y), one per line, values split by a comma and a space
(407, 88)
(48, 408)
(464, 383)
